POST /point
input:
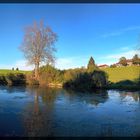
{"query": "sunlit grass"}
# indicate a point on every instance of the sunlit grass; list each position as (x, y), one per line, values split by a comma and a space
(123, 73)
(7, 71)
(115, 74)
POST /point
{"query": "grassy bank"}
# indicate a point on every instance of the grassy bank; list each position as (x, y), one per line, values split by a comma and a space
(124, 77)
(13, 77)
(4, 72)
(119, 78)
(118, 74)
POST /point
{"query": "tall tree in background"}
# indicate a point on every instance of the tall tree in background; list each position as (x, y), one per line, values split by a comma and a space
(38, 45)
(123, 61)
(136, 60)
(91, 65)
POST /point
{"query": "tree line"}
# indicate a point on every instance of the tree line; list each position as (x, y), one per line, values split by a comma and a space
(124, 62)
(38, 47)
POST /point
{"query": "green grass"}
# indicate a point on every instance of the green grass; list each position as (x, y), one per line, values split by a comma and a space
(7, 71)
(123, 73)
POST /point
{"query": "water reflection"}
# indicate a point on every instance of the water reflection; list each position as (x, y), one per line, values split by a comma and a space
(96, 97)
(60, 112)
(134, 95)
(13, 89)
(38, 114)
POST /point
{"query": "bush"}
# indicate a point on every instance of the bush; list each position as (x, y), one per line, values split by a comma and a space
(88, 81)
(3, 80)
(15, 79)
(48, 74)
(100, 79)
(30, 80)
(113, 66)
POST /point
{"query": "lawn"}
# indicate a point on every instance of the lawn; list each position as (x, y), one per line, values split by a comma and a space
(114, 74)
(123, 73)
(7, 71)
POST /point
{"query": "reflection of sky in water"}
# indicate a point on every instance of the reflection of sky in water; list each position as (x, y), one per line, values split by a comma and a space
(57, 112)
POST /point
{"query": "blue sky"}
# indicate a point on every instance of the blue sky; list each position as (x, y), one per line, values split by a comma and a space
(104, 31)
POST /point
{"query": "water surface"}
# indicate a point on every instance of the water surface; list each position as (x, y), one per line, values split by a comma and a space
(57, 112)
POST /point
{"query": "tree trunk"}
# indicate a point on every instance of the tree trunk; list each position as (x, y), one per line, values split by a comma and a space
(36, 71)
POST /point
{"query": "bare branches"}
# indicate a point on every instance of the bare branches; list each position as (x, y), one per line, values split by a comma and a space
(38, 44)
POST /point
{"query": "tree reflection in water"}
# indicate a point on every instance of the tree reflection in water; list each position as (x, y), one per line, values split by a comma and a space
(94, 98)
(38, 115)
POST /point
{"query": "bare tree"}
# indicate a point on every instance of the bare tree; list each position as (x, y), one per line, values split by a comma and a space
(38, 45)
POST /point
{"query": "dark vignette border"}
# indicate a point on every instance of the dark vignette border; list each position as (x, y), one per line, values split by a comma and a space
(71, 138)
(70, 1)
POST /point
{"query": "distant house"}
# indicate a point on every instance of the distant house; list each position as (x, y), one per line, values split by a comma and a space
(103, 66)
(129, 63)
(118, 64)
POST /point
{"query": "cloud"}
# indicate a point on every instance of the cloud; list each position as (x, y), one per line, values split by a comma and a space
(77, 61)
(121, 31)
(125, 48)
(21, 64)
(113, 58)
(61, 63)
(71, 62)
(128, 55)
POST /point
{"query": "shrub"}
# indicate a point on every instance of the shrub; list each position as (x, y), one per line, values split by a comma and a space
(113, 66)
(3, 80)
(88, 81)
(48, 74)
(30, 80)
(15, 79)
(100, 79)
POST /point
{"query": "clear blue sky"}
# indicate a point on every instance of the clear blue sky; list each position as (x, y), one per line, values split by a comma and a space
(104, 31)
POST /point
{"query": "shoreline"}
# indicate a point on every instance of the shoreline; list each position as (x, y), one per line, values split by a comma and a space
(51, 85)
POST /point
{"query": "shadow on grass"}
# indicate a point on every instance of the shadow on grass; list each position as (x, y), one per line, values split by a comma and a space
(125, 84)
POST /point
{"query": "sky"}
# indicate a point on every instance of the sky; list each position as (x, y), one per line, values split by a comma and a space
(104, 31)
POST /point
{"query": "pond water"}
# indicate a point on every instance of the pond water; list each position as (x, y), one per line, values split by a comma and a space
(26, 111)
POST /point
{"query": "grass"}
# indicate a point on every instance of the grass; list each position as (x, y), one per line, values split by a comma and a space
(120, 77)
(4, 72)
(123, 73)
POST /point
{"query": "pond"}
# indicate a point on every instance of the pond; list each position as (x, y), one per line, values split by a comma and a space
(34, 111)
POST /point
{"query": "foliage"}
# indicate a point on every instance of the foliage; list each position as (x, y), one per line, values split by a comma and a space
(13, 79)
(30, 79)
(136, 60)
(124, 84)
(48, 74)
(77, 79)
(72, 73)
(100, 79)
(3, 80)
(91, 65)
(87, 81)
(123, 61)
(113, 66)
